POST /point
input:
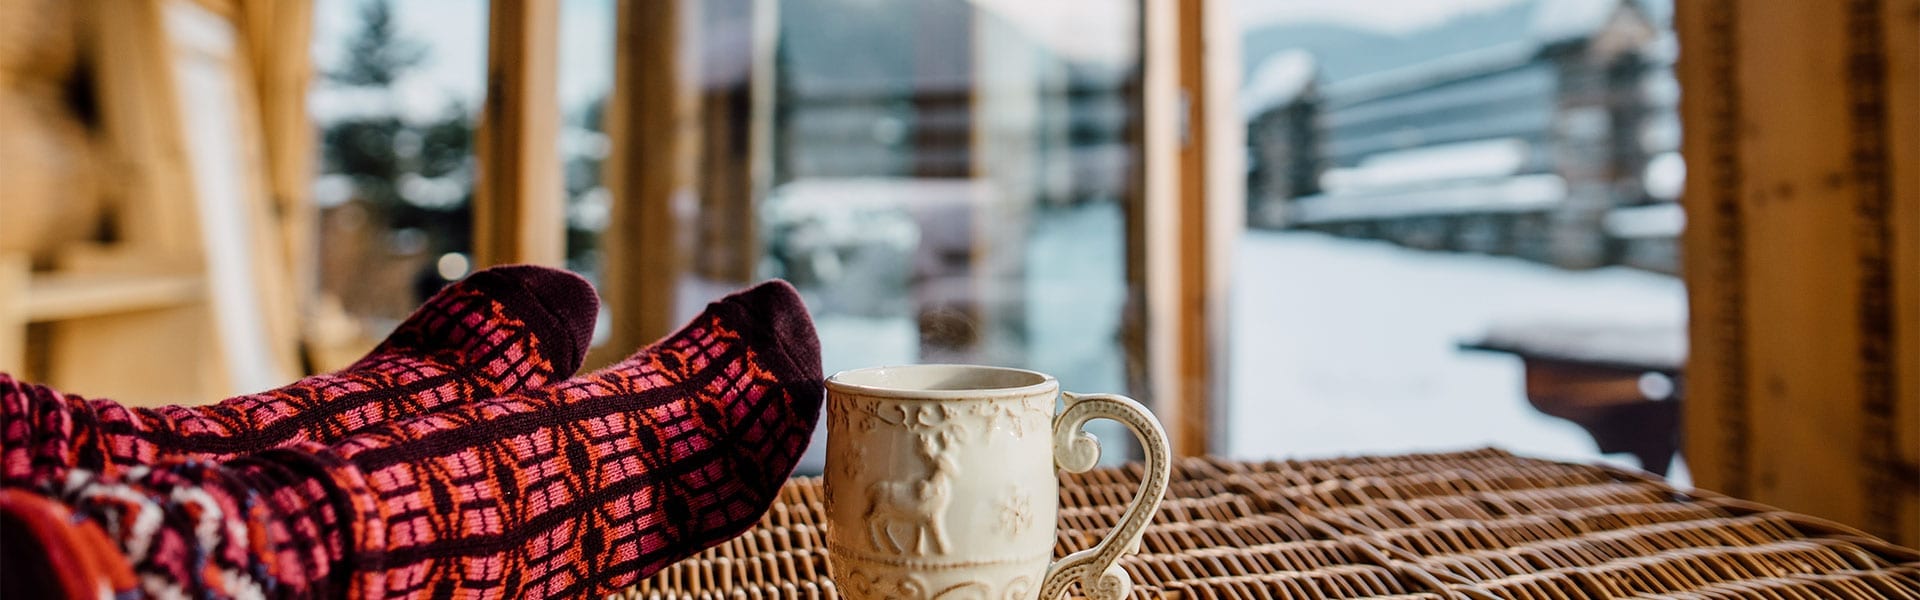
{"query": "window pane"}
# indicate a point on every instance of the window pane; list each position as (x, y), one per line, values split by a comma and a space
(585, 79)
(1463, 230)
(945, 181)
(396, 88)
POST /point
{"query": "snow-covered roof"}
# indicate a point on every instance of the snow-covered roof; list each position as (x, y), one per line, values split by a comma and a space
(1659, 346)
(1477, 159)
(1277, 82)
(1664, 220)
(1557, 21)
(1429, 73)
(1552, 22)
(1522, 193)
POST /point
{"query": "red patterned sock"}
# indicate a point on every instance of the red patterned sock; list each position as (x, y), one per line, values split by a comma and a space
(569, 491)
(496, 332)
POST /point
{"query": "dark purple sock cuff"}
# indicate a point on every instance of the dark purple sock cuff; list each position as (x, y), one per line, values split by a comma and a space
(773, 316)
(558, 306)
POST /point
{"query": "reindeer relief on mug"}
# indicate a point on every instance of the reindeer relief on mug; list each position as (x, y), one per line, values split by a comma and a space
(907, 517)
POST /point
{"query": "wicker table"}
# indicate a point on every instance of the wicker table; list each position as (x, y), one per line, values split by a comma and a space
(1479, 524)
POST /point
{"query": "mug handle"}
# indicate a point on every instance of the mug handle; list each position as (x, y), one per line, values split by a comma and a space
(1077, 451)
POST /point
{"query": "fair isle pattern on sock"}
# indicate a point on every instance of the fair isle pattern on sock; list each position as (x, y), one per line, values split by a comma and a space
(569, 491)
(590, 485)
(496, 332)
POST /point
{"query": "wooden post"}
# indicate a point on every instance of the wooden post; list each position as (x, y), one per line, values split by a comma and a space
(1901, 44)
(519, 215)
(1152, 225)
(277, 35)
(1801, 257)
(1214, 174)
(1190, 212)
(651, 120)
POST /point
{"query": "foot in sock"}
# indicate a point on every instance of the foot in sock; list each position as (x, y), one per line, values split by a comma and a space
(569, 491)
(496, 332)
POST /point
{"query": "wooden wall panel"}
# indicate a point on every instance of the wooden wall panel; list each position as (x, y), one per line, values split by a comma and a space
(1800, 387)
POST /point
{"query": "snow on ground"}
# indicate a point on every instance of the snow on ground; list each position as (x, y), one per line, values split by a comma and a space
(1344, 347)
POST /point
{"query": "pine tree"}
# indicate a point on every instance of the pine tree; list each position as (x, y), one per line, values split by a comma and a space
(401, 170)
(377, 55)
(415, 179)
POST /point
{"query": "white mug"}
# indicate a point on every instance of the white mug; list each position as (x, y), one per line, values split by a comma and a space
(941, 483)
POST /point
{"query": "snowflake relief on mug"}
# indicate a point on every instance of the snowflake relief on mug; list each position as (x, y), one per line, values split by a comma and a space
(1016, 511)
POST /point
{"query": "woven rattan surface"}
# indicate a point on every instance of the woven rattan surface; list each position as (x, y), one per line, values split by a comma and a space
(1470, 525)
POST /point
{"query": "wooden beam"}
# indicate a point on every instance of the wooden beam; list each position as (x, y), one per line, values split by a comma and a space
(1190, 214)
(1215, 155)
(1901, 47)
(1800, 206)
(1715, 421)
(651, 123)
(64, 296)
(1153, 227)
(265, 271)
(278, 38)
(519, 209)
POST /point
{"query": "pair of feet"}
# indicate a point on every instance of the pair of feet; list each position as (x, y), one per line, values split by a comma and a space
(457, 458)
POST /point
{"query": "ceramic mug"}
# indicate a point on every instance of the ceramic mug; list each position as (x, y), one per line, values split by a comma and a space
(941, 482)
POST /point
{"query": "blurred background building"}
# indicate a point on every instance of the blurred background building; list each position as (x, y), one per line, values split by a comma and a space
(1543, 130)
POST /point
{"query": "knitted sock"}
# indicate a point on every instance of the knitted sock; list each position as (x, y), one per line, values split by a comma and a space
(496, 332)
(568, 491)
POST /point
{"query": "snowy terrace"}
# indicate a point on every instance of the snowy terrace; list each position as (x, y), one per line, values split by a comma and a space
(1346, 347)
